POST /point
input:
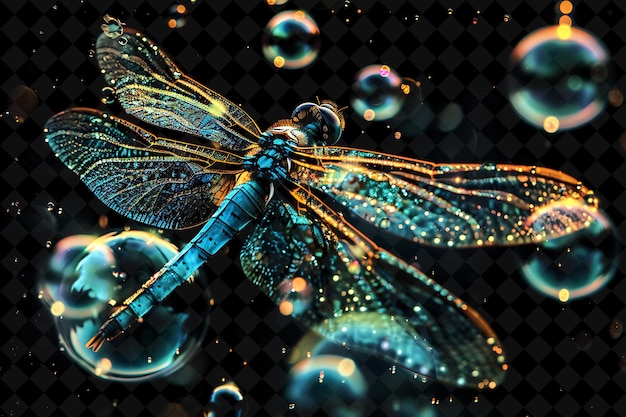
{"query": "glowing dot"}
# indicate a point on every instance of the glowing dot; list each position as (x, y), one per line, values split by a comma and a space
(57, 308)
(551, 124)
(181, 9)
(566, 7)
(506, 18)
(298, 284)
(279, 61)
(564, 32)
(285, 307)
(346, 367)
(369, 115)
(171, 23)
(565, 20)
(563, 295)
(103, 366)
(384, 70)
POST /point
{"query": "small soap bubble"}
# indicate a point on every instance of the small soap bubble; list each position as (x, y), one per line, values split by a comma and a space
(107, 95)
(227, 401)
(616, 97)
(176, 16)
(561, 72)
(378, 93)
(50, 206)
(506, 18)
(328, 379)
(21, 102)
(577, 264)
(291, 40)
(296, 295)
(616, 329)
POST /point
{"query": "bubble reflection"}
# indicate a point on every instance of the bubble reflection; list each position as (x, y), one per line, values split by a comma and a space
(575, 265)
(559, 71)
(90, 275)
(291, 40)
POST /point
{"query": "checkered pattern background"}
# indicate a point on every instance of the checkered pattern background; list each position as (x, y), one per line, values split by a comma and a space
(563, 360)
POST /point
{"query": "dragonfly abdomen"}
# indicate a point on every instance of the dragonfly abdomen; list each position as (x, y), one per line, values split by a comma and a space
(243, 204)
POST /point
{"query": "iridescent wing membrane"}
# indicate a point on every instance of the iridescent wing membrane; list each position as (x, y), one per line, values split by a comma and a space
(158, 181)
(154, 180)
(354, 292)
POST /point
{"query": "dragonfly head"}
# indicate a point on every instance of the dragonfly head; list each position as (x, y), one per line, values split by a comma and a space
(325, 119)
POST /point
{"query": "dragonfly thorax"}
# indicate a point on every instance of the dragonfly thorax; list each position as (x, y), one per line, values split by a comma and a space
(271, 162)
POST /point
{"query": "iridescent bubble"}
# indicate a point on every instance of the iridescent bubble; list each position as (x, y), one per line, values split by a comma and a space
(577, 264)
(108, 95)
(226, 401)
(334, 381)
(291, 40)
(559, 71)
(450, 117)
(296, 296)
(89, 276)
(21, 101)
(378, 93)
(176, 16)
(616, 329)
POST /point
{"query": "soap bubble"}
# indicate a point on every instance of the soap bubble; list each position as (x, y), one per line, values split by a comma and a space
(89, 276)
(331, 380)
(176, 16)
(291, 40)
(296, 296)
(575, 265)
(560, 72)
(226, 401)
(377, 93)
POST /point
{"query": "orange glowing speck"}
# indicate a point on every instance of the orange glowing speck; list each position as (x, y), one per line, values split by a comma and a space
(566, 7)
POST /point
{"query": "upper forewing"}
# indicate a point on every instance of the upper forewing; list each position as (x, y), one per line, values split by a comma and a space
(451, 205)
(158, 181)
(152, 88)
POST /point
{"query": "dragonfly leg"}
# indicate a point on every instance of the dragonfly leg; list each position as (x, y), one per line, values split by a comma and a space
(243, 204)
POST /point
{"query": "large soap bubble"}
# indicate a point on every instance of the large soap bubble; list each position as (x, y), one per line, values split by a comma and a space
(90, 276)
(558, 78)
(575, 265)
(291, 40)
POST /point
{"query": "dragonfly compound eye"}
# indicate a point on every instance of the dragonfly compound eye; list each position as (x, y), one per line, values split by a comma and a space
(324, 119)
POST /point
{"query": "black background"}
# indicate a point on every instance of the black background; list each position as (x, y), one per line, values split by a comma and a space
(562, 358)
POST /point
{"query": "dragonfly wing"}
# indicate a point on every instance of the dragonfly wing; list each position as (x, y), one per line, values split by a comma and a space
(367, 299)
(451, 205)
(152, 88)
(158, 181)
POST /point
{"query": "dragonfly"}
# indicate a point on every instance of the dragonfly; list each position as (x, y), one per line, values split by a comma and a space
(306, 201)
